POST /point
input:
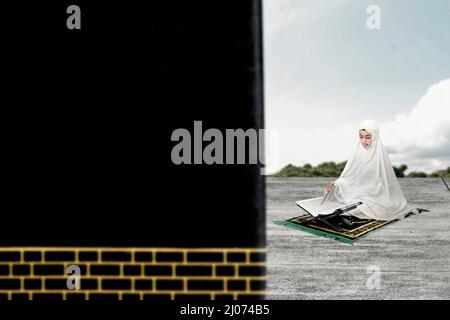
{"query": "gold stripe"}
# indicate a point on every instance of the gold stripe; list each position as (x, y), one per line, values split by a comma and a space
(131, 279)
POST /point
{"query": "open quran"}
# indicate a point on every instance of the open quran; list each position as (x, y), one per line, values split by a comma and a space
(315, 207)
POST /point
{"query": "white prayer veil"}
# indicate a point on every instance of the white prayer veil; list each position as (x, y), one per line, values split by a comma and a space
(369, 177)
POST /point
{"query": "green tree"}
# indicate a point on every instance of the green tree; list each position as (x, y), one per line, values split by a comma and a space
(445, 173)
(414, 174)
(325, 169)
(400, 171)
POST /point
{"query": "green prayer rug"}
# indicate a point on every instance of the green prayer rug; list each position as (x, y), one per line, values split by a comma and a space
(345, 234)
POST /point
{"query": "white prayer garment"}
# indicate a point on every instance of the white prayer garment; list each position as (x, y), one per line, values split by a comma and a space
(369, 177)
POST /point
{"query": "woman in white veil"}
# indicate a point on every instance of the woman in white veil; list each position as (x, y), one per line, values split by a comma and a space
(369, 177)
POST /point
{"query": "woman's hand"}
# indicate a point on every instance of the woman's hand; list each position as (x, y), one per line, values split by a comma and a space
(330, 186)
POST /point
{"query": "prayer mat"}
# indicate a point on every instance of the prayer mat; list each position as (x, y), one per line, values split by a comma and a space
(347, 234)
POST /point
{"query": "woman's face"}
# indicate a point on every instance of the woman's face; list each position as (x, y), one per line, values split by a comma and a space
(365, 138)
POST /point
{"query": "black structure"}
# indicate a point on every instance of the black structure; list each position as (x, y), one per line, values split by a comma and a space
(84, 168)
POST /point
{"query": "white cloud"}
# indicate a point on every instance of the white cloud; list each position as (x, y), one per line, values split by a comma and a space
(324, 75)
(421, 138)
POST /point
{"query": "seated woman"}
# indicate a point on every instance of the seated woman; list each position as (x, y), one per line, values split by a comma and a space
(369, 177)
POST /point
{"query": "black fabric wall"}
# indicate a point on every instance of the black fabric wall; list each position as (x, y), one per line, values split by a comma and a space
(83, 168)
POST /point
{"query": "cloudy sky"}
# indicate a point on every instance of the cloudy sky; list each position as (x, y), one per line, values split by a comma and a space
(325, 72)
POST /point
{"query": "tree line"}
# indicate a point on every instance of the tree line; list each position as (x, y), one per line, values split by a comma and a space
(332, 169)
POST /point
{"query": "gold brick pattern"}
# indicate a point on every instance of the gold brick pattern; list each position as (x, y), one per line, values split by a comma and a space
(132, 273)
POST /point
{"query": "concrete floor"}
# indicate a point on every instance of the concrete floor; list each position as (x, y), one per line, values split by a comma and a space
(412, 255)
